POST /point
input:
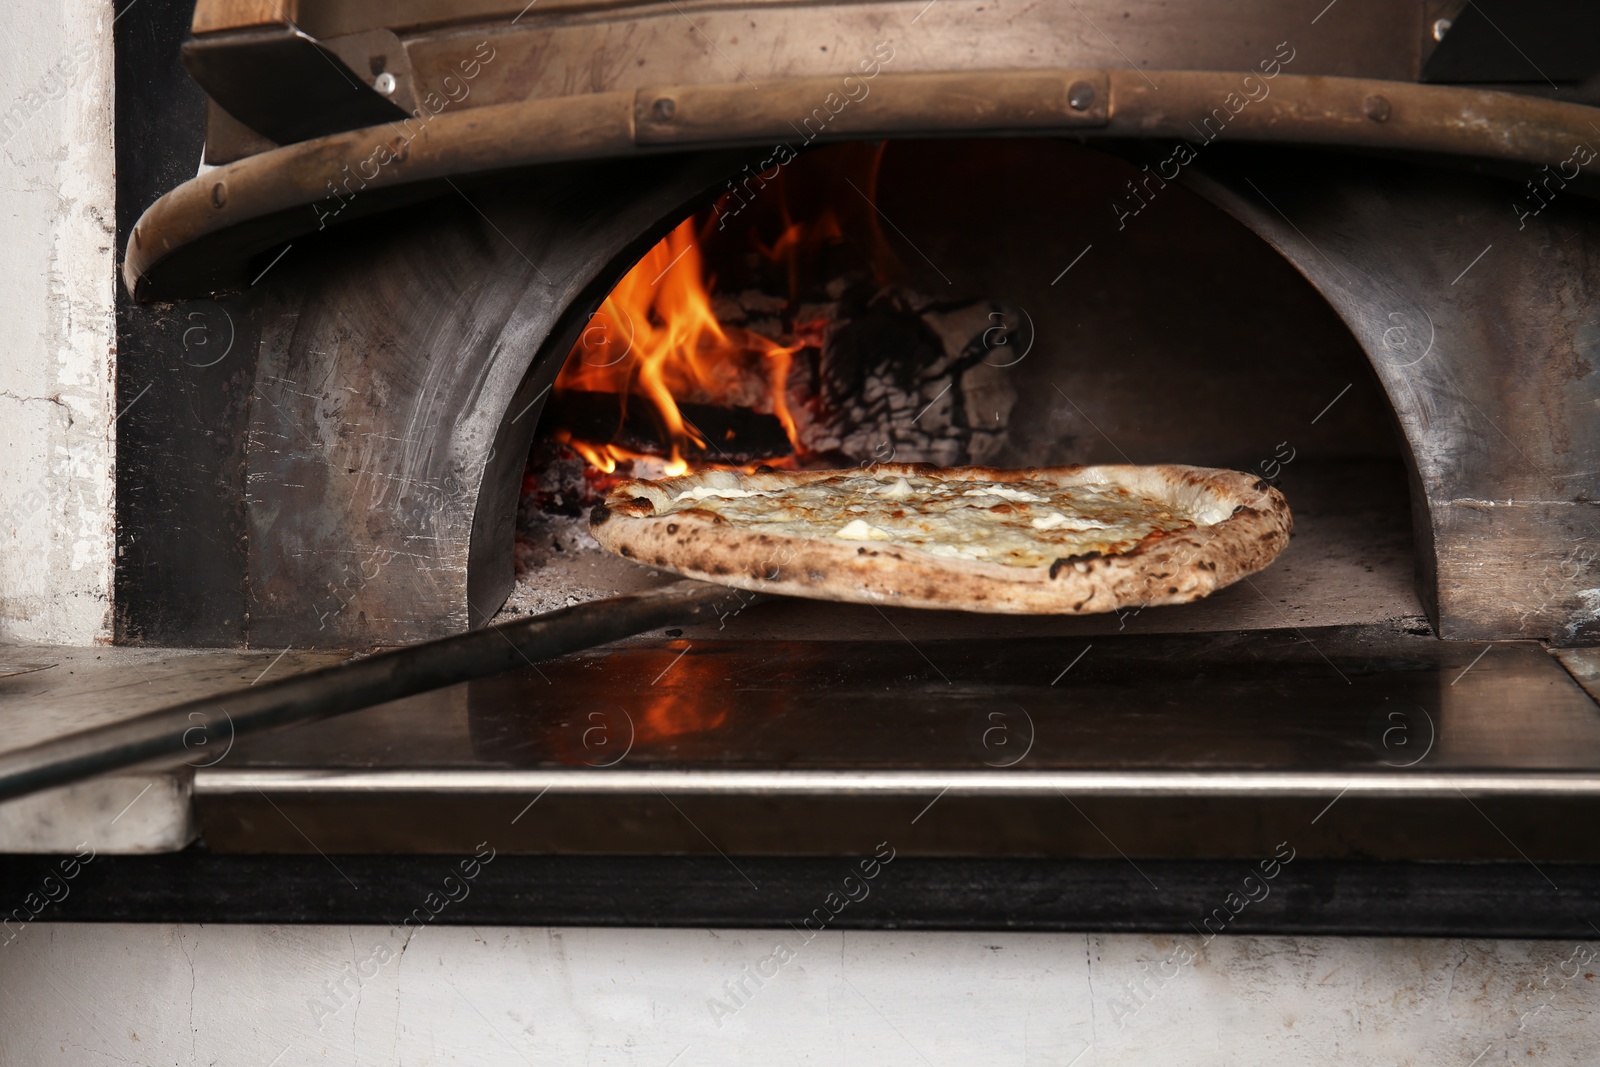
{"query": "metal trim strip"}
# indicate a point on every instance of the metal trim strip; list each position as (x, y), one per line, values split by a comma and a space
(998, 784)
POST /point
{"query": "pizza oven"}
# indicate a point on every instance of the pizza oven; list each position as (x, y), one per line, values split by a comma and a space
(447, 272)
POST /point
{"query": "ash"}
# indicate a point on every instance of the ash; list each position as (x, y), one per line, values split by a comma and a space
(899, 376)
(559, 565)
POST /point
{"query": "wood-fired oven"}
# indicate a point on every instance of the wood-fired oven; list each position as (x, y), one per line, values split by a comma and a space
(448, 268)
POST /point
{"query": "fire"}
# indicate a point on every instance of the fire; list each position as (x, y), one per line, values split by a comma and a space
(657, 336)
(798, 238)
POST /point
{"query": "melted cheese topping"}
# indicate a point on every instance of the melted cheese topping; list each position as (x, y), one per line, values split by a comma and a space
(1020, 523)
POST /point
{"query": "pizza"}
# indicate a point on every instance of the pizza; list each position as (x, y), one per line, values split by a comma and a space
(1059, 540)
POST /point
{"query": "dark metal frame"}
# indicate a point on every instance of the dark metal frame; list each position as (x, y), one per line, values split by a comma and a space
(1310, 897)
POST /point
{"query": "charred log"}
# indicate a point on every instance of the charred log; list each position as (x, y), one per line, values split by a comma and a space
(630, 421)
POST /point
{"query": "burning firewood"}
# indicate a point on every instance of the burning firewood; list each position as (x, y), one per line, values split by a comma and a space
(832, 374)
(735, 435)
(903, 376)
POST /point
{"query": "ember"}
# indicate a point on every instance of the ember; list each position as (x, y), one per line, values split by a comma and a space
(794, 341)
(657, 337)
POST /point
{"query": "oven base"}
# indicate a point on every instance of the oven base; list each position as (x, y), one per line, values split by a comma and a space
(1477, 900)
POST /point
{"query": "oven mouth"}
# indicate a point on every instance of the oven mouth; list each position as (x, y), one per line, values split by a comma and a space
(1043, 314)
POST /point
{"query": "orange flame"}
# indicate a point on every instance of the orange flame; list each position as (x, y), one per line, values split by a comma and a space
(798, 239)
(657, 335)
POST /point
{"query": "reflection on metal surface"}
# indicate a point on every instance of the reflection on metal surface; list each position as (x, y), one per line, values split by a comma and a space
(1266, 701)
(599, 738)
(1397, 735)
(1584, 665)
(160, 735)
(1000, 743)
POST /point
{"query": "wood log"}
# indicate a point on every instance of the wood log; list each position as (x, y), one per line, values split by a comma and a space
(631, 421)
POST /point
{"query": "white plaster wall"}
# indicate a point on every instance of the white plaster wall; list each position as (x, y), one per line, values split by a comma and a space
(57, 324)
(260, 995)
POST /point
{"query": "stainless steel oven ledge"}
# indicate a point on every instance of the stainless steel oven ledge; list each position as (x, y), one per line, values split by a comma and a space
(1341, 742)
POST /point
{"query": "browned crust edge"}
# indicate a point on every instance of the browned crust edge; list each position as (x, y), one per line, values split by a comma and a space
(1175, 569)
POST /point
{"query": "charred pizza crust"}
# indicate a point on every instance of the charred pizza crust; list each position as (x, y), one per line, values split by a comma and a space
(649, 522)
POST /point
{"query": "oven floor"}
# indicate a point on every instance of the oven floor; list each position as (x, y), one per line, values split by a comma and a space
(1349, 562)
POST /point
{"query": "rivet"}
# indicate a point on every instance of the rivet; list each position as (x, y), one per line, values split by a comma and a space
(1377, 108)
(1440, 28)
(384, 83)
(219, 194)
(664, 108)
(1081, 96)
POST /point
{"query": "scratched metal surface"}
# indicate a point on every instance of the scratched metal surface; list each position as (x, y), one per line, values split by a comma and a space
(1474, 306)
(626, 48)
(142, 809)
(1314, 699)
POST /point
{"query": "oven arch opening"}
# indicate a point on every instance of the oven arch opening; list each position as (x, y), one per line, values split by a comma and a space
(1131, 359)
